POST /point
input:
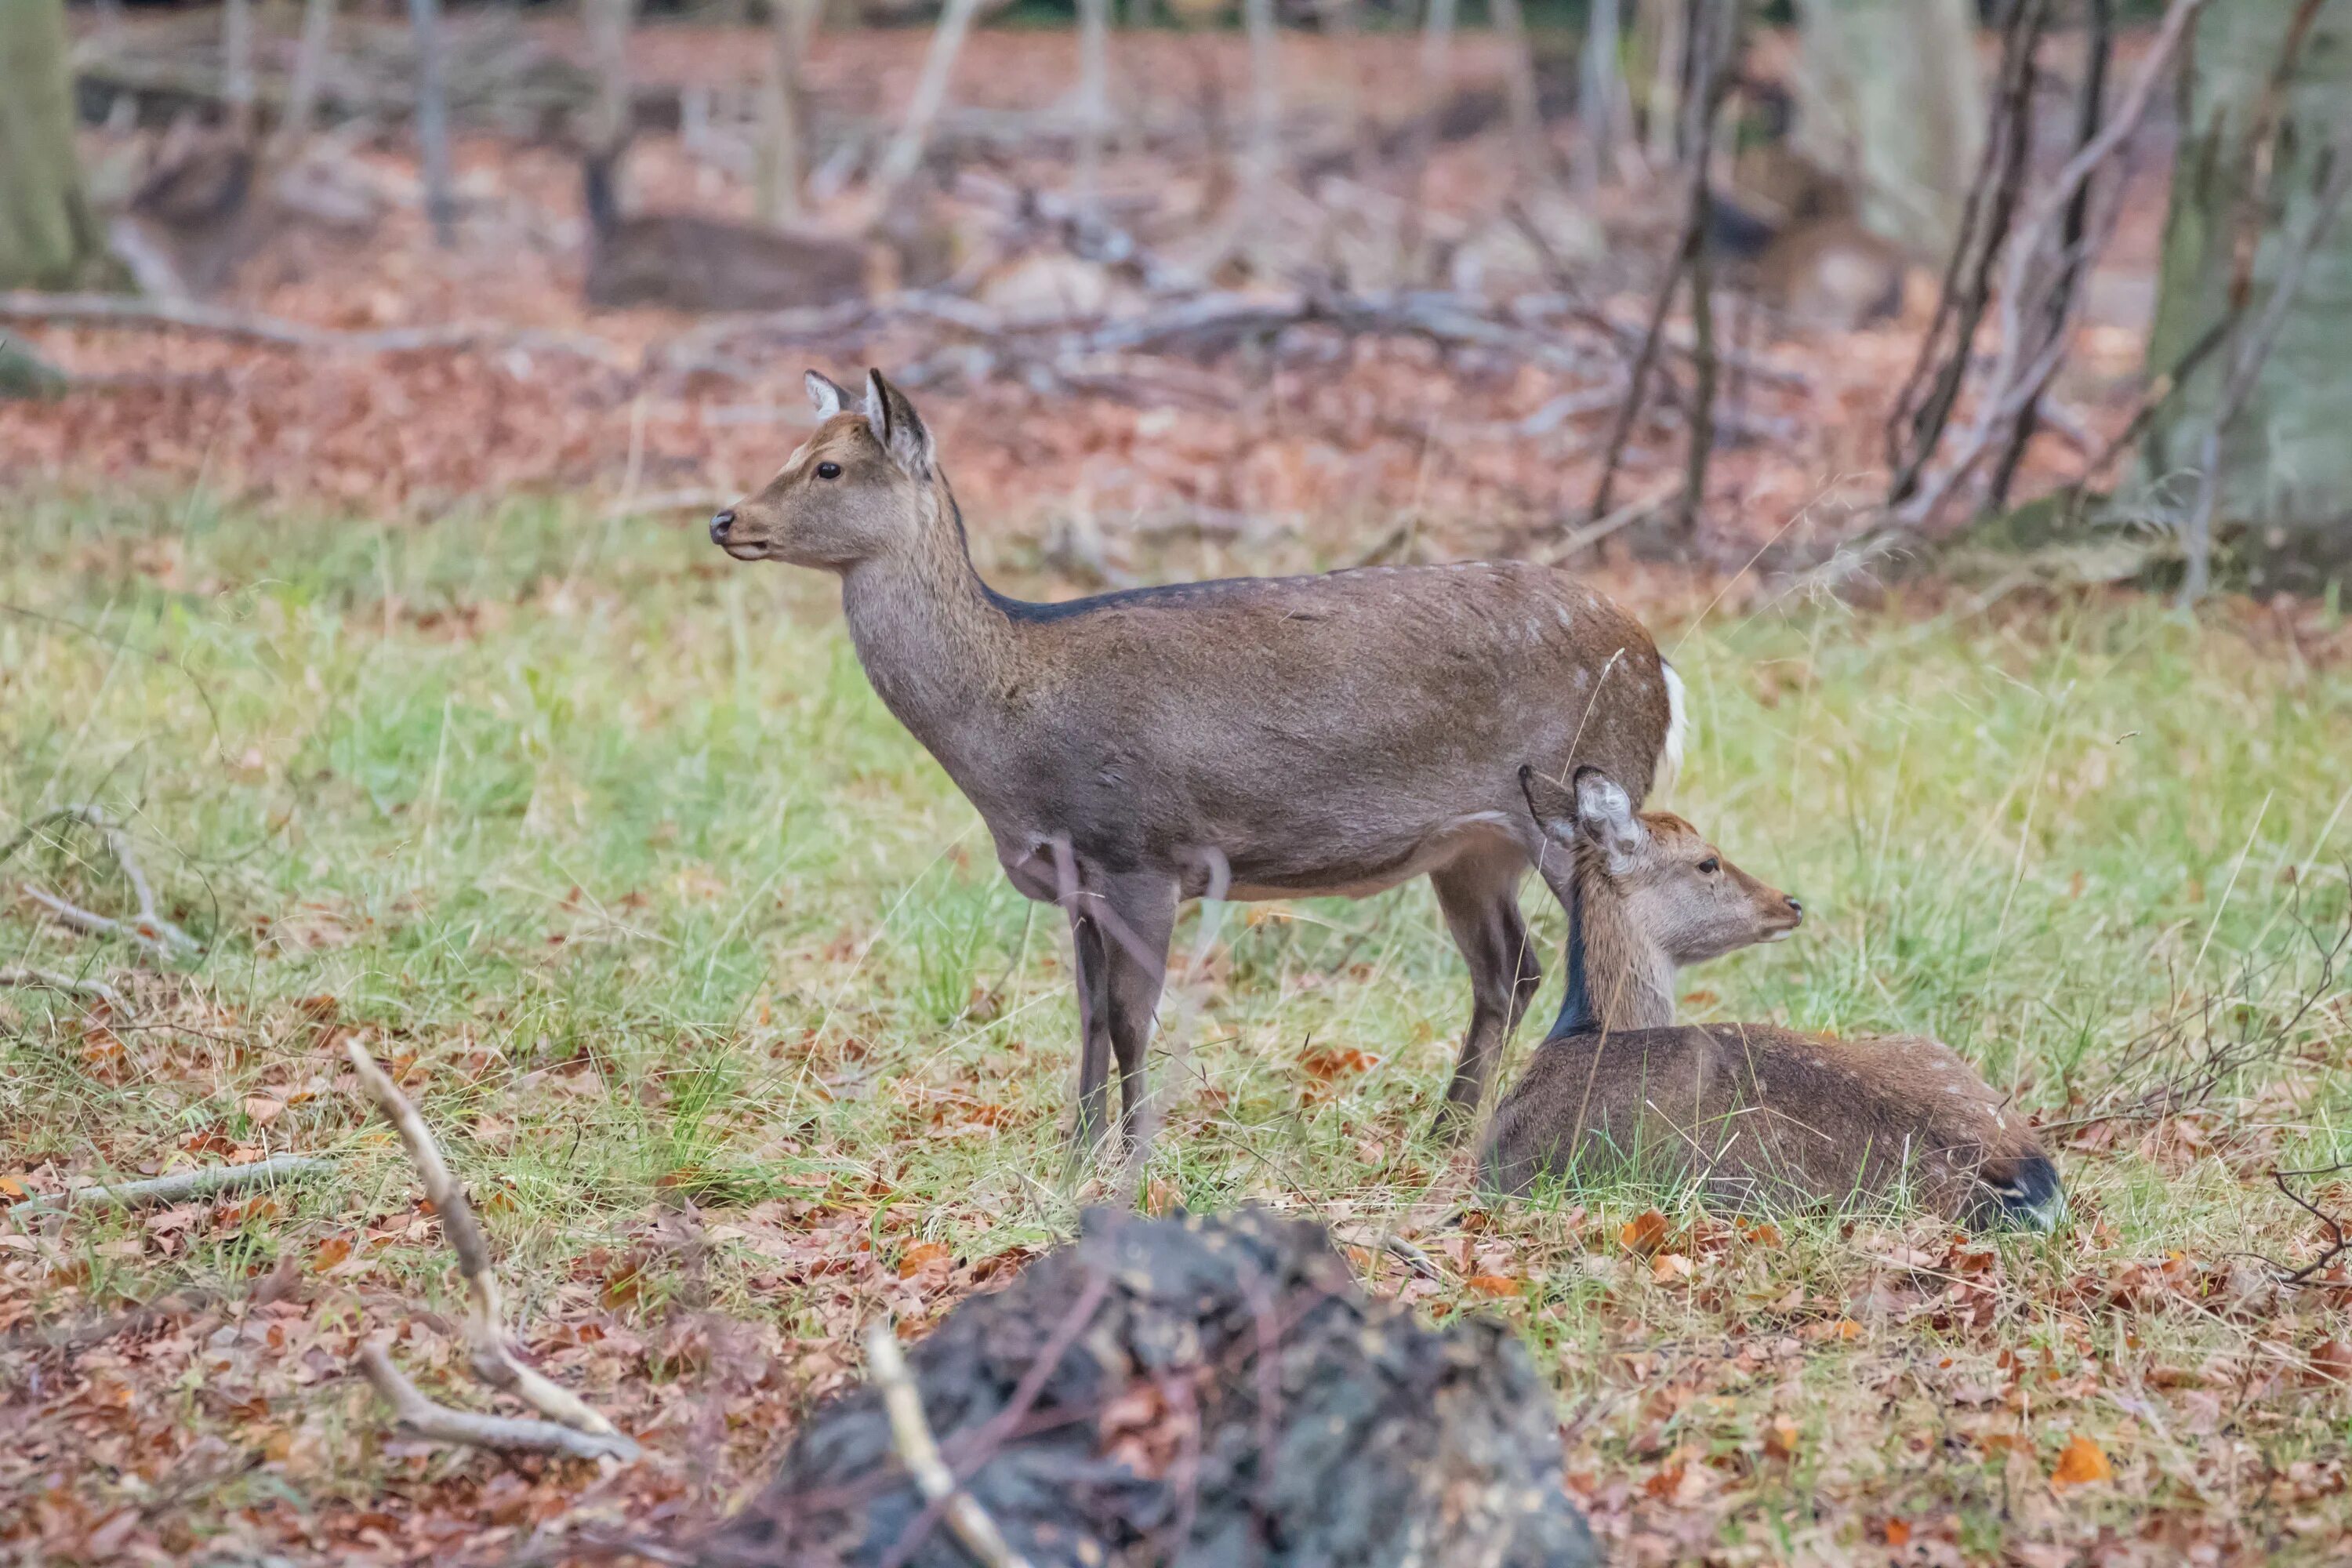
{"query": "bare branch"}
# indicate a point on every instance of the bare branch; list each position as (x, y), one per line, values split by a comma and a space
(211, 1180)
(2338, 1244)
(149, 929)
(245, 326)
(492, 1357)
(27, 979)
(421, 1417)
(920, 1452)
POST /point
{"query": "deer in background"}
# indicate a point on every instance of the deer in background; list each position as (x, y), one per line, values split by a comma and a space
(1754, 1113)
(1253, 738)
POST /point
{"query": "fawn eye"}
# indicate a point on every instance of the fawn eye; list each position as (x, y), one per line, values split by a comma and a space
(1710, 866)
(828, 471)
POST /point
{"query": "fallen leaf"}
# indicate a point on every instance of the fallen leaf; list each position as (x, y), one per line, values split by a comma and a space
(1780, 1437)
(1494, 1284)
(1645, 1232)
(1899, 1532)
(915, 1258)
(1669, 1267)
(261, 1111)
(2080, 1462)
(2332, 1360)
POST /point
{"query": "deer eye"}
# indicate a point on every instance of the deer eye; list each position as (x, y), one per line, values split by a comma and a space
(828, 471)
(1710, 866)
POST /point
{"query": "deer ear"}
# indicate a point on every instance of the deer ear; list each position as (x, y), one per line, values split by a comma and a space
(828, 396)
(1604, 815)
(1552, 804)
(899, 428)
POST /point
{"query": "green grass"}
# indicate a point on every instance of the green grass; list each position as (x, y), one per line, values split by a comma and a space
(611, 849)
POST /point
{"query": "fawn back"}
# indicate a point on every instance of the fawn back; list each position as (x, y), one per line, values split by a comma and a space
(1757, 1115)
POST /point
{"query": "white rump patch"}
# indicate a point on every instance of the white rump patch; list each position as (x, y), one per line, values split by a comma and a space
(1670, 756)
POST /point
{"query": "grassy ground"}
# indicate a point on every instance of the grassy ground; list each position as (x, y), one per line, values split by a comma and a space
(709, 980)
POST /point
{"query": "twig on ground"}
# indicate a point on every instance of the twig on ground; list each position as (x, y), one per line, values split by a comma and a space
(491, 1358)
(25, 979)
(150, 929)
(2338, 1244)
(920, 1452)
(977, 1448)
(421, 1417)
(209, 1180)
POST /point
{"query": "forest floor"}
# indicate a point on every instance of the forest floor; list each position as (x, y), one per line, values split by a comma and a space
(440, 724)
(708, 982)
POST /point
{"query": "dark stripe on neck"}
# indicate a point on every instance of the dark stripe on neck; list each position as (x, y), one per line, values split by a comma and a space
(1576, 1015)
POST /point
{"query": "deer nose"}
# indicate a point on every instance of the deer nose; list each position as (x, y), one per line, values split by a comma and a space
(1795, 908)
(720, 526)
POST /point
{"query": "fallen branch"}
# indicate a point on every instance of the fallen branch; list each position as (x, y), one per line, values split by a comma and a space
(149, 929)
(25, 979)
(276, 331)
(912, 1436)
(180, 1186)
(421, 1417)
(2338, 1244)
(491, 1358)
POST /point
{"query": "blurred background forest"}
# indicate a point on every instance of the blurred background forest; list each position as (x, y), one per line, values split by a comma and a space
(1827, 286)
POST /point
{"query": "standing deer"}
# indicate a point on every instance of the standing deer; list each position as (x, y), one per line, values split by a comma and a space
(1255, 738)
(1753, 1113)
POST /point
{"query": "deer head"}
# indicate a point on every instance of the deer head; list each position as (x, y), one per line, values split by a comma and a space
(1650, 897)
(862, 486)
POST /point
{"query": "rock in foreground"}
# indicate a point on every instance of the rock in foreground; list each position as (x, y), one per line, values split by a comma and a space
(1164, 1433)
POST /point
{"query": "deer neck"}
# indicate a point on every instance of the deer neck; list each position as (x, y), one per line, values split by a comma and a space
(933, 639)
(1617, 979)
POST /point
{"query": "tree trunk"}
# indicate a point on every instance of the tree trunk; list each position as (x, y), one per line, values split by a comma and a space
(1093, 99)
(2283, 478)
(48, 238)
(784, 111)
(904, 153)
(309, 72)
(432, 121)
(1519, 93)
(1893, 98)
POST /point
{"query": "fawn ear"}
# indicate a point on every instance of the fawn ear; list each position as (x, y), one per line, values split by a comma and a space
(827, 395)
(897, 427)
(1604, 815)
(1552, 804)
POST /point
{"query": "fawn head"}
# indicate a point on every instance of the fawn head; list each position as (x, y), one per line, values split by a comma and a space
(1674, 891)
(860, 486)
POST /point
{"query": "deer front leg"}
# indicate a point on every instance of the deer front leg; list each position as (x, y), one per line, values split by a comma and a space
(1480, 900)
(1140, 916)
(1092, 967)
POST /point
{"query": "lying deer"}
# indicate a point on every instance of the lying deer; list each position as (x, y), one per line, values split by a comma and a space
(1755, 1114)
(1256, 738)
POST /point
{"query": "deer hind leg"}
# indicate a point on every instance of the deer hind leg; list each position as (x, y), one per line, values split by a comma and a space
(1480, 899)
